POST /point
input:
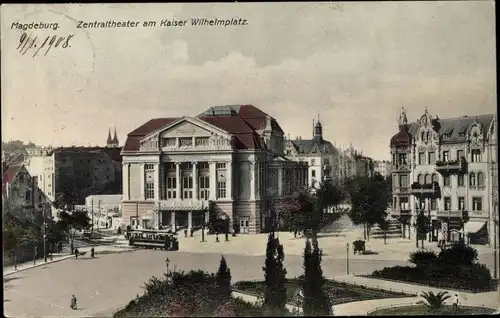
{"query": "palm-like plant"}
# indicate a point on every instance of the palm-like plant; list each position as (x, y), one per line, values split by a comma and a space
(434, 301)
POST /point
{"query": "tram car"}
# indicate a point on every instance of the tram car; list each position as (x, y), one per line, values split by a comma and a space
(156, 239)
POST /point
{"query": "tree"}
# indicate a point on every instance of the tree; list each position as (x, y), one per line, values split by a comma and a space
(422, 227)
(55, 233)
(70, 223)
(316, 300)
(223, 281)
(275, 276)
(13, 235)
(384, 226)
(434, 301)
(370, 197)
(312, 209)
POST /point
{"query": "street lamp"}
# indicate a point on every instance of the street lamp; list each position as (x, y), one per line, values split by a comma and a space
(44, 209)
(347, 257)
(167, 262)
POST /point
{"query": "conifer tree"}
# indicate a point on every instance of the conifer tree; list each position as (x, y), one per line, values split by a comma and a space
(275, 277)
(316, 301)
(223, 280)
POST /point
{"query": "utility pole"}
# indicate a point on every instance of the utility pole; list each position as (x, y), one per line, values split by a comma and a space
(92, 229)
(45, 232)
(98, 211)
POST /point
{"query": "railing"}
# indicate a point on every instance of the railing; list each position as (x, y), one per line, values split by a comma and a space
(392, 306)
(449, 213)
(450, 165)
(417, 188)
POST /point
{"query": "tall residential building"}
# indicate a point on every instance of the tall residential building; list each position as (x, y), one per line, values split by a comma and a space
(445, 167)
(318, 153)
(77, 171)
(229, 159)
(383, 167)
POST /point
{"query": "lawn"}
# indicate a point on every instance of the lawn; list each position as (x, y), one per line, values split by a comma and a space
(340, 293)
(418, 310)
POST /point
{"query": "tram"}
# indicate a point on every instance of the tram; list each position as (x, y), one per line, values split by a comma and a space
(156, 239)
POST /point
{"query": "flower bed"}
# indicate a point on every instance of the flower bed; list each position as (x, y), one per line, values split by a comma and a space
(418, 310)
(339, 292)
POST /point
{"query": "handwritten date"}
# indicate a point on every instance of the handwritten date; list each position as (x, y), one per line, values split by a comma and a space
(28, 42)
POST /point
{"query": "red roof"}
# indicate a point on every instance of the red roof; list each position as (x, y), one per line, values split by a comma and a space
(243, 126)
(9, 175)
(401, 139)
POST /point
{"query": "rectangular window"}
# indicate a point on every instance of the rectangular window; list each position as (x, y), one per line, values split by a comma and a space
(221, 165)
(432, 157)
(149, 186)
(433, 204)
(446, 156)
(204, 190)
(476, 155)
(394, 159)
(446, 181)
(312, 162)
(447, 203)
(27, 196)
(313, 173)
(461, 180)
(150, 190)
(221, 190)
(477, 204)
(404, 203)
(403, 181)
(187, 187)
(21, 178)
(461, 203)
(171, 187)
(403, 159)
(394, 180)
(149, 166)
(395, 203)
(421, 158)
(460, 154)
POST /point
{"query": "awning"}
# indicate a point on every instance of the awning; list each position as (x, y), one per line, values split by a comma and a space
(473, 226)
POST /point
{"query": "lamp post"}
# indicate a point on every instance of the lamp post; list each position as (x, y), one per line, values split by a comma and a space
(347, 257)
(44, 233)
(167, 262)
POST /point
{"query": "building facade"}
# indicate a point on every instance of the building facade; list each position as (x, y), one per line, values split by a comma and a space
(320, 155)
(444, 167)
(383, 167)
(227, 162)
(79, 171)
(20, 191)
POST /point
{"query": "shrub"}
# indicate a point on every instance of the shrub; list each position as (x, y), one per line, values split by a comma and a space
(119, 230)
(459, 254)
(435, 301)
(423, 258)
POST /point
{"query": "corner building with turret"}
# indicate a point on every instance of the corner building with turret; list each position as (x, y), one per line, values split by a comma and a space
(446, 168)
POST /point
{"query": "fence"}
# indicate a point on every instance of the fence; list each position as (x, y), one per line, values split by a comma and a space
(412, 304)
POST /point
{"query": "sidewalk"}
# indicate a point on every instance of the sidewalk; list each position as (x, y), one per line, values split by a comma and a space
(487, 299)
(9, 270)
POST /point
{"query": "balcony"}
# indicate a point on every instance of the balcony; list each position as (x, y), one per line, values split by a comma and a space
(401, 212)
(449, 213)
(451, 166)
(425, 189)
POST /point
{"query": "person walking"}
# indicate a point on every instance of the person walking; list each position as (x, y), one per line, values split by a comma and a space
(76, 253)
(73, 302)
(92, 251)
(456, 302)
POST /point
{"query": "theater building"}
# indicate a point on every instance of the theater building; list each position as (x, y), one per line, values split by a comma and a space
(227, 162)
(445, 167)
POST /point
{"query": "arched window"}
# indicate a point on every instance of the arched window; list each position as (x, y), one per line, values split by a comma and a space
(422, 136)
(435, 177)
(472, 179)
(427, 179)
(420, 179)
(480, 179)
(428, 135)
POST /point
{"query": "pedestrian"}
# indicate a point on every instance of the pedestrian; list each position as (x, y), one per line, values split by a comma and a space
(92, 251)
(227, 236)
(456, 302)
(73, 302)
(185, 233)
(76, 253)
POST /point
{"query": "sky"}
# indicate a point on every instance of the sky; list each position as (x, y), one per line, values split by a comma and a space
(355, 64)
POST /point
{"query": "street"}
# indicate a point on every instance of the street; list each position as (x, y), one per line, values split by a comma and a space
(109, 281)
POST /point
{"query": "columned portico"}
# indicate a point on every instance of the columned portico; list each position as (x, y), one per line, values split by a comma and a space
(213, 180)
(229, 178)
(195, 180)
(178, 178)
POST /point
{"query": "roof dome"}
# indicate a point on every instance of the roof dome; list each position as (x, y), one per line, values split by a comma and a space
(401, 139)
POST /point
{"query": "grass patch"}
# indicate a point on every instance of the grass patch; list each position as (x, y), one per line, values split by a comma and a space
(418, 310)
(339, 292)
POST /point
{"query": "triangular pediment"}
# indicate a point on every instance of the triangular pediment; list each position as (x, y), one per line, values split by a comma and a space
(188, 127)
